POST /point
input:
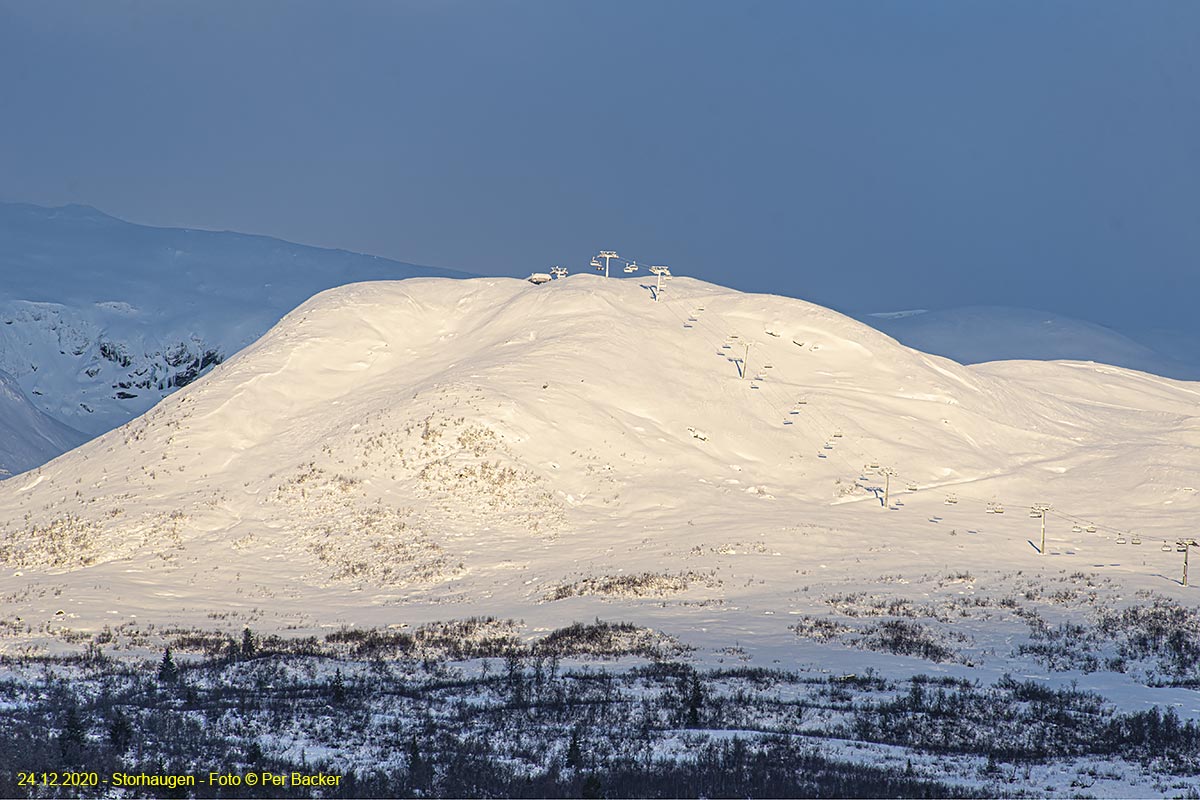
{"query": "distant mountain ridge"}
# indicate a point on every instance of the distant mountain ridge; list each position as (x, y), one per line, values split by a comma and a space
(28, 437)
(102, 318)
(979, 334)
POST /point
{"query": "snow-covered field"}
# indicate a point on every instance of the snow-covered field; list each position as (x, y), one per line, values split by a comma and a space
(399, 453)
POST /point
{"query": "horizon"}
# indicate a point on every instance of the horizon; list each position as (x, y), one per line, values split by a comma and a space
(865, 158)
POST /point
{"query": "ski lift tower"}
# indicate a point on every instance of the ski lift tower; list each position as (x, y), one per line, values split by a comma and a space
(1186, 545)
(661, 272)
(607, 255)
(1040, 510)
(887, 473)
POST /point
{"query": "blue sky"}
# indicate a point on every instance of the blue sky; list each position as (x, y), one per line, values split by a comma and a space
(865, 155)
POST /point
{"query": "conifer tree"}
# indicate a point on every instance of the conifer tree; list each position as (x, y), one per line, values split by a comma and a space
(247, 643)
(167, 671)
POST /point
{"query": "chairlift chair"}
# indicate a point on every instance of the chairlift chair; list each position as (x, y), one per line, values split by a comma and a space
(828, 446)
(912, 487)
(1076, 529)
(1121, 538)
(801, 402)
(631, 268)
(951, 499)
(837, 434)
(1135, 539)
(1166, 548)
(1090, 529)
(1035, 513)
(998, 509)
(596, 263)
(1180, 547)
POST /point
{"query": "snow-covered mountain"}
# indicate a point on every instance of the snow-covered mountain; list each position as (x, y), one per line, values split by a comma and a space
(429, 449)
(976, 334)
(27, 436)
(103, 318)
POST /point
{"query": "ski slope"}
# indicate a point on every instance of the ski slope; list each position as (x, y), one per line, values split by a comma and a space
(430, 449)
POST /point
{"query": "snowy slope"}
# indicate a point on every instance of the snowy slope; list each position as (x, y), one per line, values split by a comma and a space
(975, 334)
(102, 318)
(27, 436)
(428, 449)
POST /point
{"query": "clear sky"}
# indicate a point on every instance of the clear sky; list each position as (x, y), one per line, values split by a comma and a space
(867, 155)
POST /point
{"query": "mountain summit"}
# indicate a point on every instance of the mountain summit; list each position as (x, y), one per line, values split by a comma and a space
(433, 448)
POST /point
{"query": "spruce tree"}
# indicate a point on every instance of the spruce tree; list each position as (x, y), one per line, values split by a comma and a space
(120, 732)
(247, 643)
(574, 751)
(167, 671)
